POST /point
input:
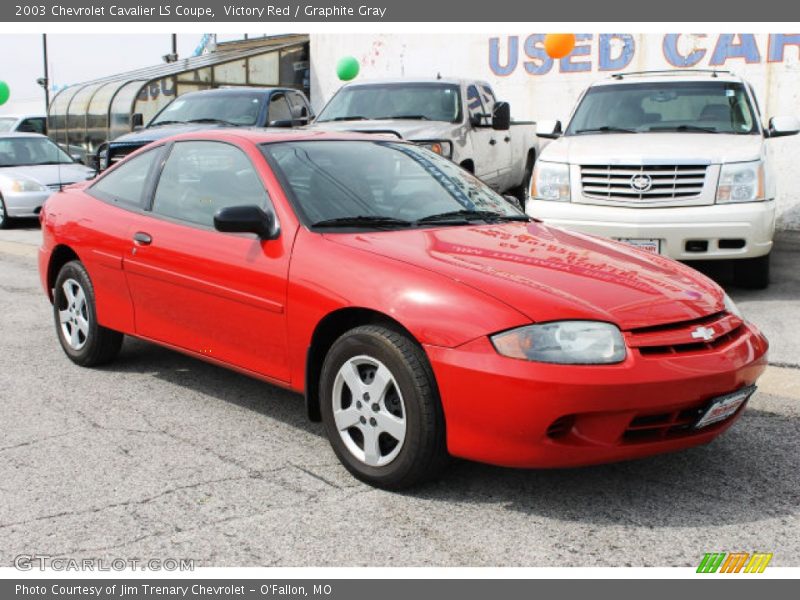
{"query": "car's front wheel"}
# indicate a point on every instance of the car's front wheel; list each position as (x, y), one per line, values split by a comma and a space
(85, 342)
(381, 408)
(4, 220)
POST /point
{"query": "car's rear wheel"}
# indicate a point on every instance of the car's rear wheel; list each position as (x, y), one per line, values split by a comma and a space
(84, 341)
(4, 220)
(752, 273)
(381, 408)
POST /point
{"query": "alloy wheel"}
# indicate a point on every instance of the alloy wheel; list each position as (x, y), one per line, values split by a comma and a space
(74, 318)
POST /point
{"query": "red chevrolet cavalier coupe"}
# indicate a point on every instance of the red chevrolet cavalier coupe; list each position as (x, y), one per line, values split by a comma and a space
(421, 314)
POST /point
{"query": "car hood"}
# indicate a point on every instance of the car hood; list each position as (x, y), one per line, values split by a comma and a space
(644, 148)
(548, 274)
(408, 129)
(51, 174)
(152, 134)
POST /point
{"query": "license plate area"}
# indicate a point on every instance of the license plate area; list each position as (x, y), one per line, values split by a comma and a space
(724, 407)
(651, 245)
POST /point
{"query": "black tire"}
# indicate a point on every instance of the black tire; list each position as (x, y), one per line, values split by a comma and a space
(99, 344)
(423, 453)
(752, 273)
(5, 220)
(521, 192)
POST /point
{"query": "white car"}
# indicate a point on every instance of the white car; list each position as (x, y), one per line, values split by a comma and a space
(23, 123)
(675, 163)
(32, 168)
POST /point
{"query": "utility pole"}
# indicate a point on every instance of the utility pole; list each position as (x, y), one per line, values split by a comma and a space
(45, 81)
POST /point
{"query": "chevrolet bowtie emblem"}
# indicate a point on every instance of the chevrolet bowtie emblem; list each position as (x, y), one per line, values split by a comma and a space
(703, 333)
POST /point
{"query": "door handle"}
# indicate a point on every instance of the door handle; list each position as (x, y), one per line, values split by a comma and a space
(142, 239)
(507, 139)
(492, 141)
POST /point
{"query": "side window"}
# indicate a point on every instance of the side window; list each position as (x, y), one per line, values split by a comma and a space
(487, 95)
(127, 183)
(279, 109)
(299, 102)
(32, 126)
(199, 178)
(474, 103)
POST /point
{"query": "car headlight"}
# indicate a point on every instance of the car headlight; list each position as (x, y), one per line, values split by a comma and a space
(18, 184)
(730, 307)
(741, 182)
(563, 342)
(550, 181)
(441, 147)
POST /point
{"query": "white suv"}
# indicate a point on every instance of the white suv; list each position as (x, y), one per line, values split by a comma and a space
(675, 163)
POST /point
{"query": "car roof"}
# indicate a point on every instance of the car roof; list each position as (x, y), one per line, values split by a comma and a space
(412, 80)
(669, 77)
(20, 116)
(21, 134)
(238, 90)
(263, 135)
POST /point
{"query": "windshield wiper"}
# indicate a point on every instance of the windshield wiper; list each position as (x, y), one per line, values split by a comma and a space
(464, 216)
(606, 129)
(211, 120)
(409, 117)
(363, 221)
(350, 118)
(684, 128)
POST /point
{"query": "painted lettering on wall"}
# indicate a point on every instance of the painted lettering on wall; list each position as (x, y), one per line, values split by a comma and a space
(615, 51)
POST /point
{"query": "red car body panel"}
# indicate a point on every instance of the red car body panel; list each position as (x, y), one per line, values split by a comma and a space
(253, 305)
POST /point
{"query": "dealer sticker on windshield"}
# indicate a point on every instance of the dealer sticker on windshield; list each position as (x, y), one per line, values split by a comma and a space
(648, 245)
(725, 406)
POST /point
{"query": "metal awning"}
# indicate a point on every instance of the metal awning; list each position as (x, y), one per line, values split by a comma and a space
(90, 113)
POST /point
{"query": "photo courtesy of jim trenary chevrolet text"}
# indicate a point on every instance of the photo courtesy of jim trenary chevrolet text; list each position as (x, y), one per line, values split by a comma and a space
(346, 300)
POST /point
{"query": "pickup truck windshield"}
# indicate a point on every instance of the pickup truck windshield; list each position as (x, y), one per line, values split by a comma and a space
(30, 151)
(382, 184)
(241, 109)
(695, 107)
(423, 101)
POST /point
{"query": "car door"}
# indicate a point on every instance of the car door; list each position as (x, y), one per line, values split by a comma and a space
(501, 149)
(123, 192)
(484, 138)
(220, 295)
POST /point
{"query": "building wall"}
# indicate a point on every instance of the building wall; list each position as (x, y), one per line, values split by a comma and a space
(540, 88)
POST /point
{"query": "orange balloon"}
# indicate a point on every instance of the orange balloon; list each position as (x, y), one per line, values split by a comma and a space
(558, 45)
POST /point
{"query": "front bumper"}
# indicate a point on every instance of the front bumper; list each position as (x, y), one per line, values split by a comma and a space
(25, 204)
(721, 226)
(524, 414)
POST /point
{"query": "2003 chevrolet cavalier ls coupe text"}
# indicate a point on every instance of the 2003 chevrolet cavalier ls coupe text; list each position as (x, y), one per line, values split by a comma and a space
(421, 313)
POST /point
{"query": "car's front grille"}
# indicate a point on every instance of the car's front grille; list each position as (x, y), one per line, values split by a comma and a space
(698, 335)
(638, 182)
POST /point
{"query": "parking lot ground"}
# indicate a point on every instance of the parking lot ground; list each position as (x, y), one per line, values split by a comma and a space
(159, 455)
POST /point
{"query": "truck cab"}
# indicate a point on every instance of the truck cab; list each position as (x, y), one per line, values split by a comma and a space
(675, 163)
(223, 107)
(460, 119)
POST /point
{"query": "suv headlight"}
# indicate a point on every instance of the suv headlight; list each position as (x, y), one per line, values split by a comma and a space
(16, 184)
(741, 182)
(563, 342)
(441, 147)
(550, 181)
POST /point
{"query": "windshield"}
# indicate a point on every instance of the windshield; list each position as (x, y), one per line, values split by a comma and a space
(7, 123)
(424, 101)
(381, 183)
(707, 106)
(235, 109)
(25, 151)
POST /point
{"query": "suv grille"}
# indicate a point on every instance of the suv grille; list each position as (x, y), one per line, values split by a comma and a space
(648, 182)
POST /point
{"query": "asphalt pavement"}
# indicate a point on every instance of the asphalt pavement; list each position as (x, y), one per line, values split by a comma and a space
(163, 456)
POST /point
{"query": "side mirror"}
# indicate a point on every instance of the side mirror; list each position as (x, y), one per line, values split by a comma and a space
(783, 126)
(513, 200)
(137, 120)
(281, 123)
(548, 129)
(501, 116)
(247, 219)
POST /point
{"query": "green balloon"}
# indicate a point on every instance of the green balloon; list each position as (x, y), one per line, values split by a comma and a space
(5, 92)
(347, 68)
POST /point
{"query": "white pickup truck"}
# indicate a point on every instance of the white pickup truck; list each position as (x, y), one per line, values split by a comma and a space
(460, 119)
(676, 163)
